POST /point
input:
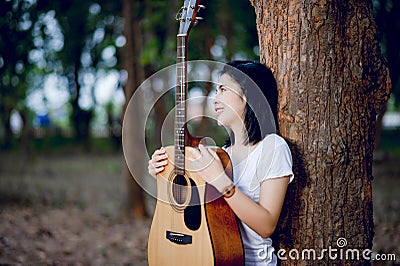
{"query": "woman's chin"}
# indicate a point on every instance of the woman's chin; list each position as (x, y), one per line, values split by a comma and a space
(219, 123)
(222, 123)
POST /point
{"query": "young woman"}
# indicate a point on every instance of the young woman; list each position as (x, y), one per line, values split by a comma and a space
(262, 162)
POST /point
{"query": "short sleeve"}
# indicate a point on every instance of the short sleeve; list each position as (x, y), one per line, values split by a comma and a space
(274, 160)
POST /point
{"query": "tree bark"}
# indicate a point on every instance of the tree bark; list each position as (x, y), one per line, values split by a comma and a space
(332, 82)
(135, 201)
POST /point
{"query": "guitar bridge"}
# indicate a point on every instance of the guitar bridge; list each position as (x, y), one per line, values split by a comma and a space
(178, 238)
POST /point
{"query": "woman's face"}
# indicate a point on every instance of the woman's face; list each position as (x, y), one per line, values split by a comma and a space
(229, 102)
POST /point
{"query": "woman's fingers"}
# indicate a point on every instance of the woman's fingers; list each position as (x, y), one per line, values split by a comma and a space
(155, 170)
(159, 158)
(160, 163)
(157, 162)
(158, 152)
(154, 165)
(159, 155)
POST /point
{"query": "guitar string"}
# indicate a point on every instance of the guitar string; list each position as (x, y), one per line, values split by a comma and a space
(181, 69)
(182, 96)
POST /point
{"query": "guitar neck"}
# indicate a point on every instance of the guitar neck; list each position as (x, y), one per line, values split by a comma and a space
(180, 104)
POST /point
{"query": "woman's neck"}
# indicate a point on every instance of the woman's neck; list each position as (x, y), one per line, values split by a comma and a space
(240, 134)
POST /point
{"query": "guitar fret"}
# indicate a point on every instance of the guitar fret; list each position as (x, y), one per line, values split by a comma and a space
(180, 98)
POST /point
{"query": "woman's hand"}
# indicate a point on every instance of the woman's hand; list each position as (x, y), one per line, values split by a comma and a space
(158, 161)
(210, 168)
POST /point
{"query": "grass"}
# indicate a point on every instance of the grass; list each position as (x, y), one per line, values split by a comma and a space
(54, 144)
(62, 178)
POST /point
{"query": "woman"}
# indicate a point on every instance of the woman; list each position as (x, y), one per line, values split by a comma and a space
(262, 163)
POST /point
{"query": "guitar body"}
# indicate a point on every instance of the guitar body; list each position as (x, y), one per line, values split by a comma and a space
(198, 228)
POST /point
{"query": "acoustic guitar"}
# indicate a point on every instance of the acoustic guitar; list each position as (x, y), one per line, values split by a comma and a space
(192, 223)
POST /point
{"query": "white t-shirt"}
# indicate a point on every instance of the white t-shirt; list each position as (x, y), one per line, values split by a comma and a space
(271, 158)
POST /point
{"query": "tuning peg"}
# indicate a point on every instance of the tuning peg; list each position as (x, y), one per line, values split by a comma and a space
(196, 21)
(179, 14)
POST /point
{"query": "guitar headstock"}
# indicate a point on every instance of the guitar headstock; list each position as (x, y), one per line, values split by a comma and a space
(187, 16)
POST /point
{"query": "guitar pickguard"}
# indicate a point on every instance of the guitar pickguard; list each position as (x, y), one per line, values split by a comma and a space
(192, 213)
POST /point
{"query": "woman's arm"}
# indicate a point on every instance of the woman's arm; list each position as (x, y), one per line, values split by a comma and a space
(262, 217)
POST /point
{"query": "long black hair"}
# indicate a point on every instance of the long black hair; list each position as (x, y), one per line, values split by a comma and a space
(259, 87)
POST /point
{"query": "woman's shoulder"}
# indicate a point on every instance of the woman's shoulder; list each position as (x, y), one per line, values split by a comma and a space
(274, 139)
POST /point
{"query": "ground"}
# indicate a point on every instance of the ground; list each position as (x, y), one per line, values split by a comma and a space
(65, 209)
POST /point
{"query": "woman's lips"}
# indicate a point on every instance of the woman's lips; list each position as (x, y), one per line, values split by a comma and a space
(218, 110)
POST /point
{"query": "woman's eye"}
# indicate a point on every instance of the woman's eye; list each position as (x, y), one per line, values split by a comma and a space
(220, 89)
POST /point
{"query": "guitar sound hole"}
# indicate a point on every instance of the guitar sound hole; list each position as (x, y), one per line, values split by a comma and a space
(180, 189)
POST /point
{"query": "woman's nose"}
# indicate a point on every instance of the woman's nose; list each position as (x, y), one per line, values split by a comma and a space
(216, 99)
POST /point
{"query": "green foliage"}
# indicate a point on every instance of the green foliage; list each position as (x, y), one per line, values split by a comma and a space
(15, 44)
(71, 38)
(232, 21)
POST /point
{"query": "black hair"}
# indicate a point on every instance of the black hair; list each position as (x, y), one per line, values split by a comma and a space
(260, 89)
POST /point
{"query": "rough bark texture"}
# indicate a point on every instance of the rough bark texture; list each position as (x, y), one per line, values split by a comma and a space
(135, 203)
(332, 81)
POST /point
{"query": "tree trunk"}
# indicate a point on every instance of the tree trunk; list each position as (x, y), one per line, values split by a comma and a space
(80, 118)
(135, 201)
(7, 137)
(332, 82)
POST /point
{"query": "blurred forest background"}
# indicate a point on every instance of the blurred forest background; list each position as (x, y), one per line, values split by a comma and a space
(65, 193)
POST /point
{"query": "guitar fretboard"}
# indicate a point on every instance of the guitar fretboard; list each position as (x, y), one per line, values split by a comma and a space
(180, 104)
